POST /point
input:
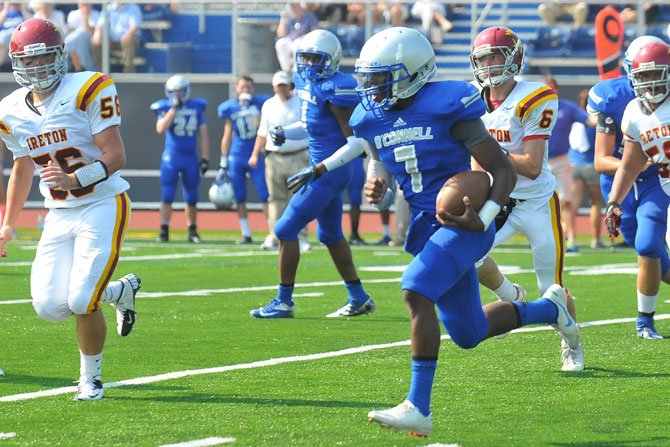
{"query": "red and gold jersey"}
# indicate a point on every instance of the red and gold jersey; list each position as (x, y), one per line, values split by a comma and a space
(529, 112)
(83, 105)
(652, 132)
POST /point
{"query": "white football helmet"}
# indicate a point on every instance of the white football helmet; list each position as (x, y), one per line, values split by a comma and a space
(222, 196)
(319, 55)
(177, 85)
(633, 48)
(38, 37)
(394, 64)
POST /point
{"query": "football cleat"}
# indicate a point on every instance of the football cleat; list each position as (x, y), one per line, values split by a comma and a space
(386, 240)
(404, 417)
(194, 237)
(89, 389)
(304, 246)
(356, 240)
(565, 325)
(276, 309)
(163, 237)
(353, 309)
(244, 240)
(520, 296)
(571, 359)
(645, 328)
(2, 373)
(125, 306)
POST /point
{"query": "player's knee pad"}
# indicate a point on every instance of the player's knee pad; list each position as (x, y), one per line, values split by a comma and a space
(287, 228)
(465, 336)
(50, 310)
(191, 196)
(329, 237)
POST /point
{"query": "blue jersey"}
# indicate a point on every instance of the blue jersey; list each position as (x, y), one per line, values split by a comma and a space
(181, 138)
(416, 145)
(324, 135)
(245, 121)
(610, 97)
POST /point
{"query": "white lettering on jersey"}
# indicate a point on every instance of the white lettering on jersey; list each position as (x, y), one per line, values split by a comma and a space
(403, 136)
(305, 96)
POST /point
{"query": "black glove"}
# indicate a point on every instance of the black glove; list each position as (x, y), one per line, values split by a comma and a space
(222, 176)
(177, 102)
(298, 180)
(204, 166)
(613, 219)
(277, 135)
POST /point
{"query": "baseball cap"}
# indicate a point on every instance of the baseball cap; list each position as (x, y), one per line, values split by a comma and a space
(281, 77)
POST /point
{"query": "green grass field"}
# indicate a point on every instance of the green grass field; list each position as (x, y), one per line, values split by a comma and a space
(198, 367)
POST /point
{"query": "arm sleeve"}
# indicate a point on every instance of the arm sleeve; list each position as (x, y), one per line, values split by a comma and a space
(469, 132)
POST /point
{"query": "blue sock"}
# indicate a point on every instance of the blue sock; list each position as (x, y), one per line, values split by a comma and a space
(285, 294)
(423, 373)
(539, 311)
(355, 290)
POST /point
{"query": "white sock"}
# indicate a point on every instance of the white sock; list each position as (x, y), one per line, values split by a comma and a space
(113, 292)
(244, 226)
(506, 291)
(90, 366)
(645, 303)
(386, 230)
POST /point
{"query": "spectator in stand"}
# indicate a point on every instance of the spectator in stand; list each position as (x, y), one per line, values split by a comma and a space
(395, 13)
(45, 10)
(295, 21)
(430, 12)
(551, 11)
(242, 116)
(282, 161)
(357, 13)
(569, 112)
(81, 25)
(332, 13)
(124, 26)
(11, 15)
(629, 13)
(584, 175)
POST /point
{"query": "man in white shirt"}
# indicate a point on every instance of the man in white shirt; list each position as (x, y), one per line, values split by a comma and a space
(281, 162)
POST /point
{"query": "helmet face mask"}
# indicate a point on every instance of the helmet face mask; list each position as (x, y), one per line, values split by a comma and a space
(650, 73)
(318, 56)
(37, 53)
(496, 41)
(394, 64)
(178, 86)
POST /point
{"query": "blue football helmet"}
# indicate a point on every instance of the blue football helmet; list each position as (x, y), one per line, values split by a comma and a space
(318, 56)
(393, 64)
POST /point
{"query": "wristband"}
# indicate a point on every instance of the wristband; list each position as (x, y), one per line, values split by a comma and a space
(223, 162)
(489, 212)
(91, 174)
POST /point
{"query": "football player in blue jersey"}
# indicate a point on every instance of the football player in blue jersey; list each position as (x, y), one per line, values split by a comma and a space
(422, 134)
(641, 226)
(327, 99)
(182, 120)
(241, 116)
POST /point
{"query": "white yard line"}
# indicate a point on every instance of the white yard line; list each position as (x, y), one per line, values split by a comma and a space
(7, 435)
(277, 361)
(202, 442)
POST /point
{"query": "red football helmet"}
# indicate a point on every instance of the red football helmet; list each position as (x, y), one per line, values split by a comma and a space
(496, 40)
(38, 37)
(650, 72)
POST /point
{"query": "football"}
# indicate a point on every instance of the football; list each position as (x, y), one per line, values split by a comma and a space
(474, 184)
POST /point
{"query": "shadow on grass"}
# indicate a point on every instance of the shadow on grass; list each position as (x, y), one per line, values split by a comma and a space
(237, 400)
(600, 373)
(656, 440)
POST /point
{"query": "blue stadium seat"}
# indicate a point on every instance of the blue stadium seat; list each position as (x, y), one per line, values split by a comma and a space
(551, 41)
(352, 38)
(629, 34)
(582, 42)
(660, 31)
